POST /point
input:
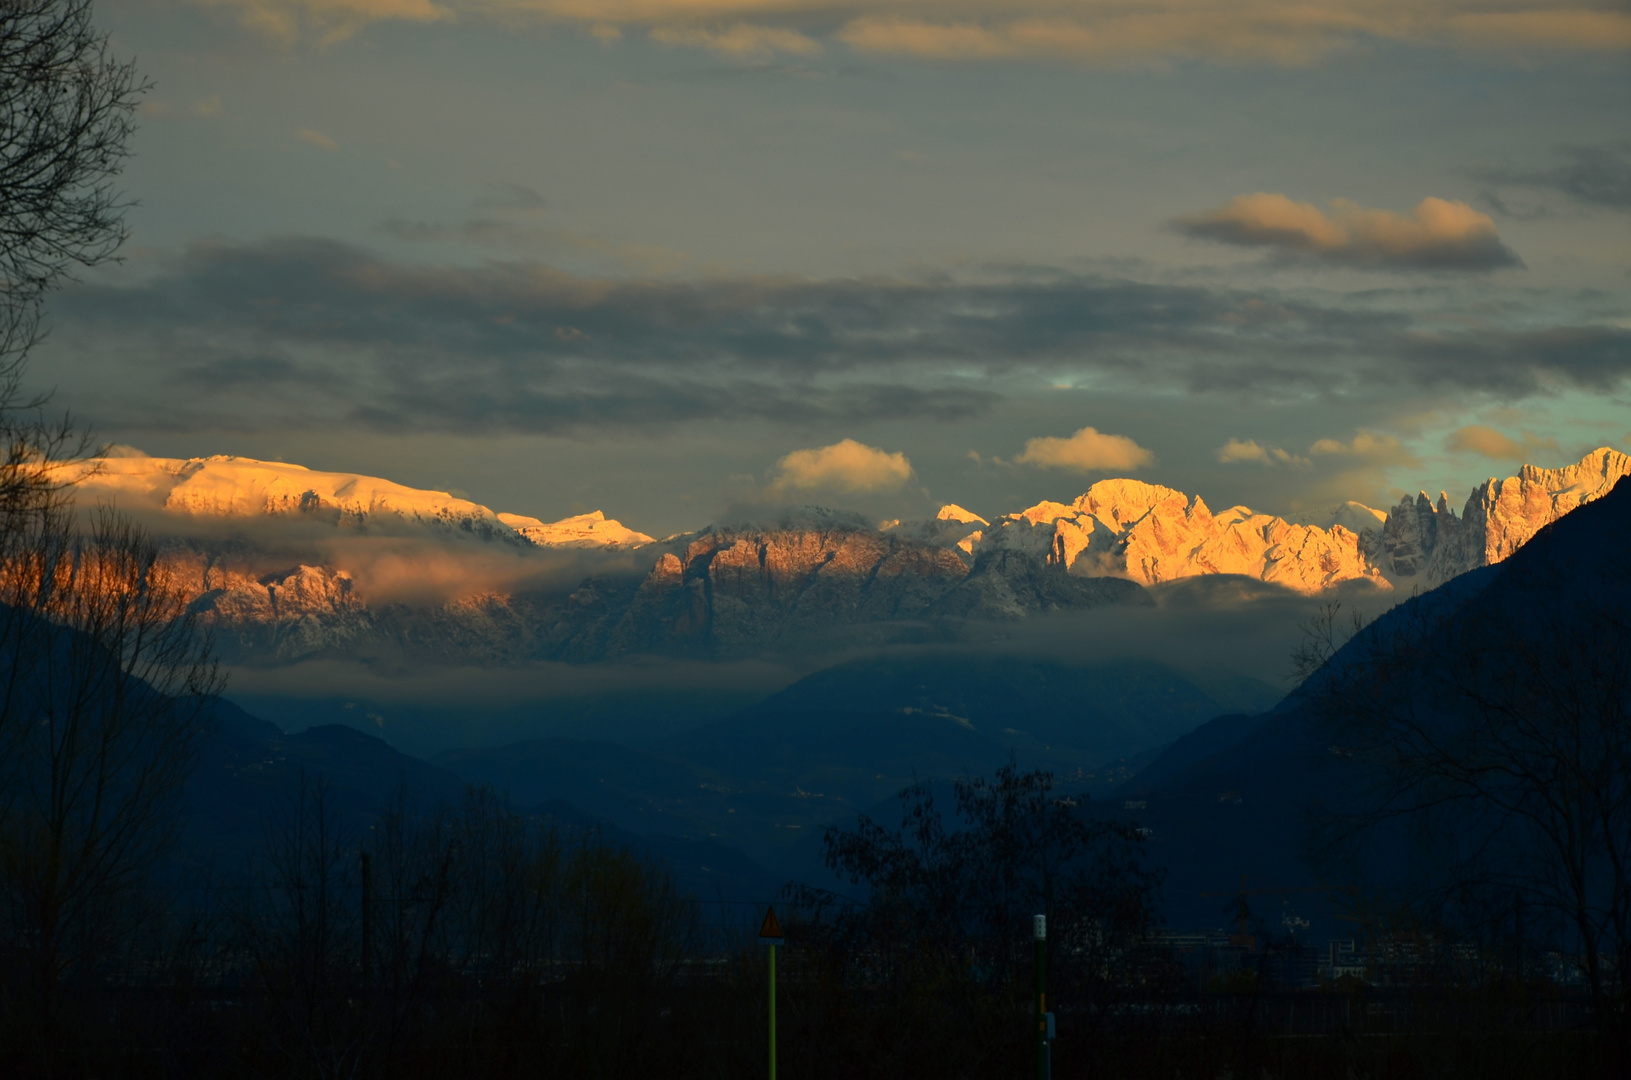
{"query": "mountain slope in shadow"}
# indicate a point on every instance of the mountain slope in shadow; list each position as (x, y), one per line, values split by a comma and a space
(1234, 800)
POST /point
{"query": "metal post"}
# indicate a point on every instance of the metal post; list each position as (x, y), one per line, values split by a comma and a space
(367, 923)
(772, 1012)
(770, 934)
(1039, 933)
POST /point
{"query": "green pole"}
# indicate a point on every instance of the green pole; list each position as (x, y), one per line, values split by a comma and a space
(772, 1012)
(1039, 932)
(367, 925)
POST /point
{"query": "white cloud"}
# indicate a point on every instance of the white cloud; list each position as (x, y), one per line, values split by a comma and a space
(328, 21)
(1369, 447)
(1235, 451)
(846, 466)
(1439, 234)
(1086, 451)
(316, 138)
(744, 41)
(1487, 442)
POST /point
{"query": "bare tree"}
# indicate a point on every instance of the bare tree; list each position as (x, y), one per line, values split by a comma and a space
(298, 926)
(1323, 635)
(67, 110)
(945, 926)
(105, 699)
(1488, 744)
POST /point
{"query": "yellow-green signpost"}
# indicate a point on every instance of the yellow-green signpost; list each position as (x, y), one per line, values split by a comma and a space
(770, 933)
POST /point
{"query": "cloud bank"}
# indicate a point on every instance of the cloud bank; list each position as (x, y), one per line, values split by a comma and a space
(744, 41)
(1593, 175)
(1358, 458)
(1440, 235)
(1367, 447)
(299, 333)
(1086, 451)
(1489, 443)
(1281, 32)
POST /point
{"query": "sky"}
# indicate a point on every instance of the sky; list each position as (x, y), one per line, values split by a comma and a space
(680, 260)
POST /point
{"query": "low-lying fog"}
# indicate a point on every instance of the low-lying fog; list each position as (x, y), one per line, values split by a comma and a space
(1213, 630)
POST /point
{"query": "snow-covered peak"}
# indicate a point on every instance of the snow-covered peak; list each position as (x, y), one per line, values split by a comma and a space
(1356, 517)
(1432, 545)
(1589, 478)
(585, 530)
(1040, 514)
(226, 486)
(1122, 502)
(1151, 534)
(953, 512)
(952, 527)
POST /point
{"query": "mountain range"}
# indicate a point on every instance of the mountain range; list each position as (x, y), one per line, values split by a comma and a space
(813, 580)
(1219, 776)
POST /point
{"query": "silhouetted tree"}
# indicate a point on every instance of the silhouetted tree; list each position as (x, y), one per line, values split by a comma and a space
(943, 933)
(1486, 737)
(67, 110)
(298, 929)
(490, 927)
(104, 699)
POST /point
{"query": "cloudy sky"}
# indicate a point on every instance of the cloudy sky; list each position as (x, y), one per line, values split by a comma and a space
(677, 258)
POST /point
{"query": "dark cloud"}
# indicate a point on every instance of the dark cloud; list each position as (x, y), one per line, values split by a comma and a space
(480, 232)
(1508, 209)
(1594, 175)
(1516, 363)
(231, 370)
(511, 197)
(314, 330)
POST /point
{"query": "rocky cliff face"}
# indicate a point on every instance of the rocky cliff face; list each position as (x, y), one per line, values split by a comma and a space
(1427, 542)
(953, 527)
(281, 616)
(313, 611)
(741, 591)
(735, 589)
(724, 593)
(1149, 534)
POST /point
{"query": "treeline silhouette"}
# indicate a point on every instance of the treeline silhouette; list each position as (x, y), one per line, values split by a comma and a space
(478, 940)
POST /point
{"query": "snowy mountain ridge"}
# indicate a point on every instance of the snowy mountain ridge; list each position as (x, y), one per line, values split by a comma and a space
(1151, 534)
(1122, 528)
(813, 580)
(1430, 543)
(226, 486)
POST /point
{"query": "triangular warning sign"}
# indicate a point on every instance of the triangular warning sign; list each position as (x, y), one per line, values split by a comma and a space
(771, 928)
